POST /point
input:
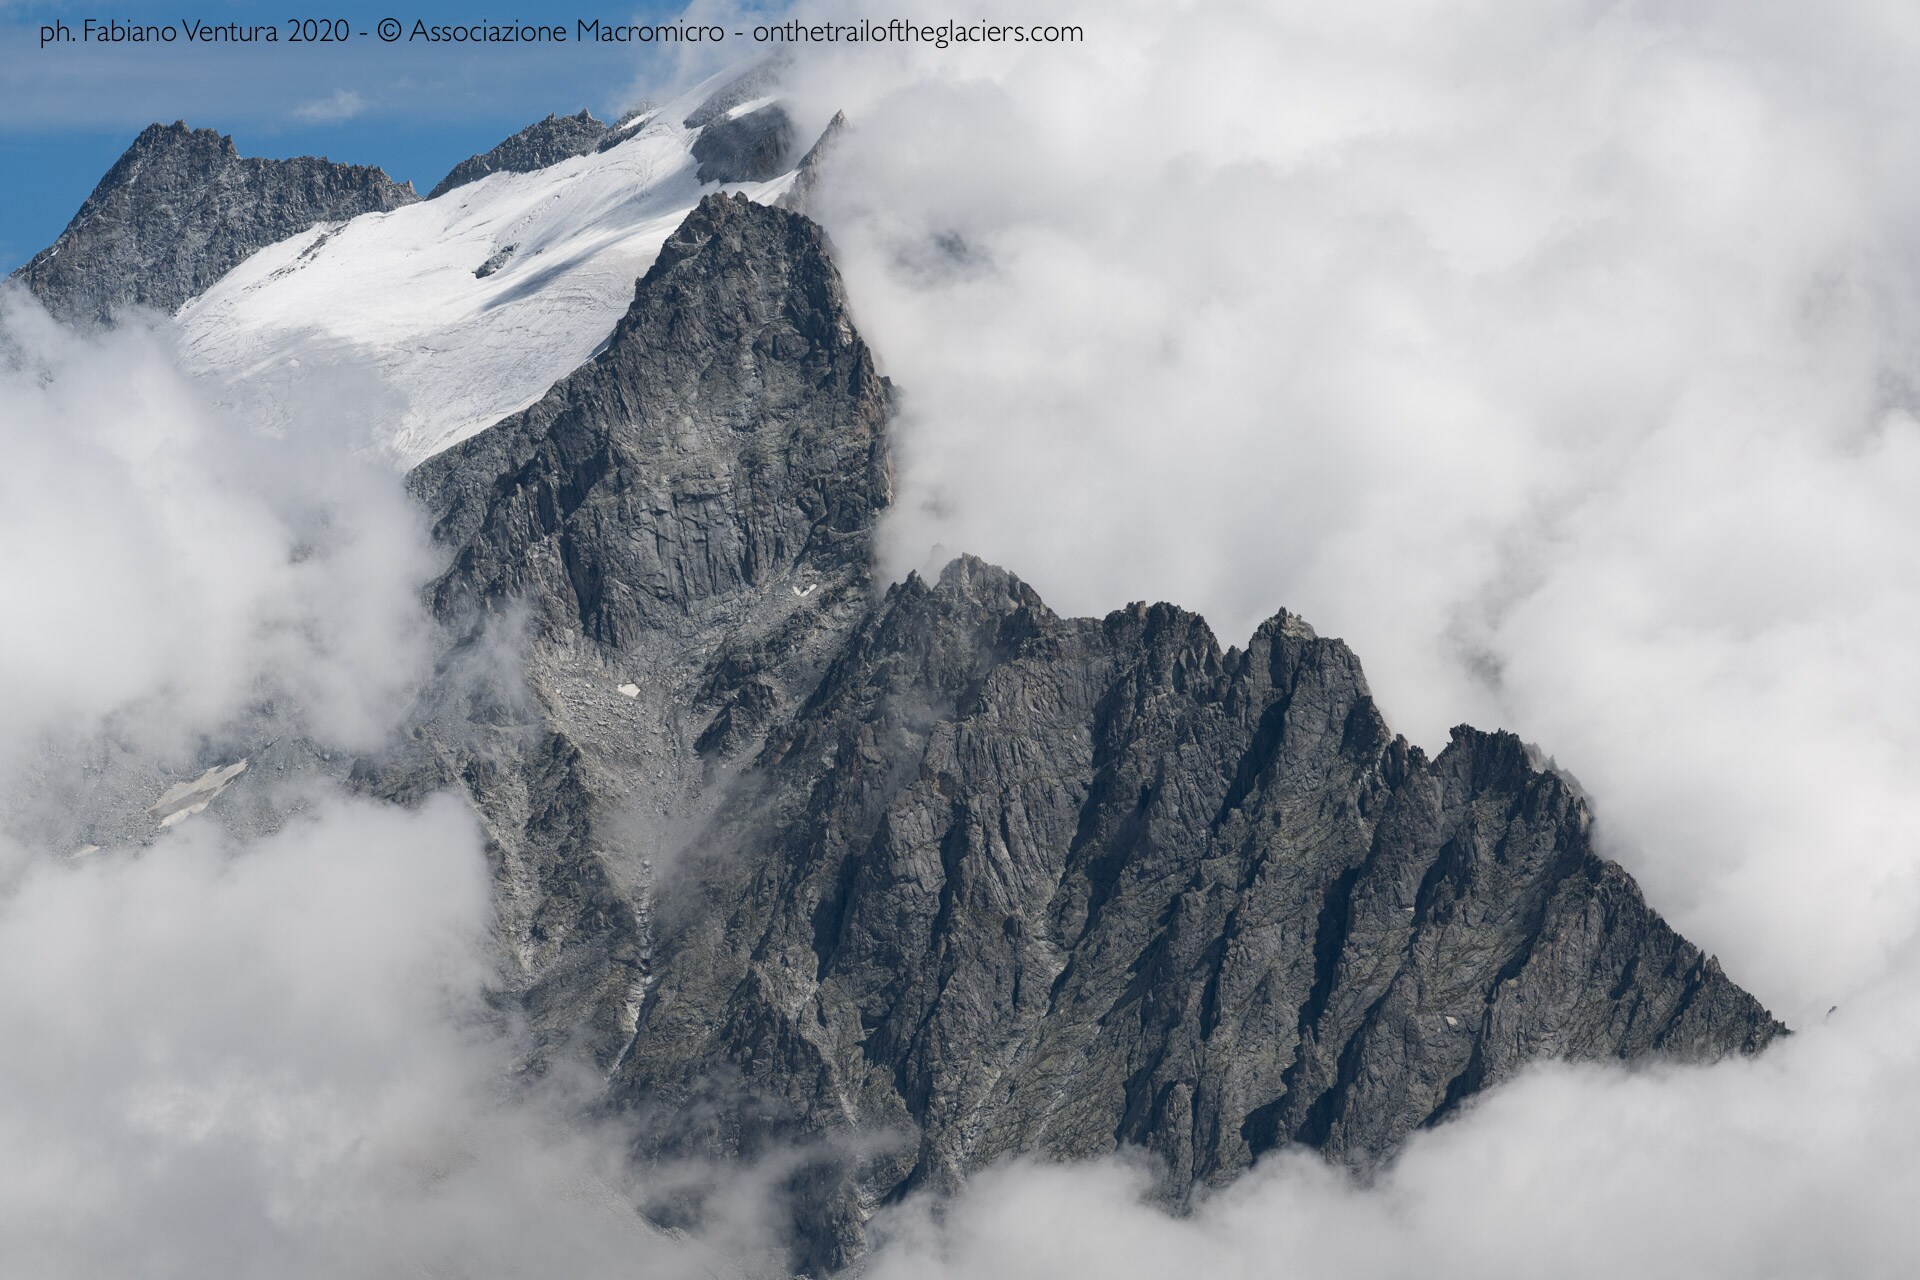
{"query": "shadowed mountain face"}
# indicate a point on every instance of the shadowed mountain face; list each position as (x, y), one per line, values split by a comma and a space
(787, 858)
(730, 434)
(1028, 883)
(748, 148)
(179, 210)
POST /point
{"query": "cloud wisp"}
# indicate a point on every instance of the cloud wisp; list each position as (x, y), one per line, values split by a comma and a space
(341, 104)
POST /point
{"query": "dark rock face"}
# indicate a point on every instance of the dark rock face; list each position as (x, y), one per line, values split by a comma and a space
(939, 867)
(747, 148)
(688, 516)
(1017, 883)
(498, 259)
(629, 123)
(179, 210)
(540, 144)
(731, 433)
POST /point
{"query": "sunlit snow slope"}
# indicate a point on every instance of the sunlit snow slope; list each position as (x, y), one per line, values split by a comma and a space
(398, 292)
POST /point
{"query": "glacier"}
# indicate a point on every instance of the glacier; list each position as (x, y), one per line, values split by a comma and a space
(402, 292)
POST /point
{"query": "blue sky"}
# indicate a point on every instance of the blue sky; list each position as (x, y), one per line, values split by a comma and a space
(67, 111)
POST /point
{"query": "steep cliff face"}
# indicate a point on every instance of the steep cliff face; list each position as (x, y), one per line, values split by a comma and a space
(682, 531)
(540, 144)
(729, 435)
(788, 859)
(182, 208)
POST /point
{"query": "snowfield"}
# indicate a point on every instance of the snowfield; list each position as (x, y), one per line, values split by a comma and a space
(398, 292)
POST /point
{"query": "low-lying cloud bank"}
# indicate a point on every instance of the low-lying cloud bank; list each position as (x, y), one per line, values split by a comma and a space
(168, 566)
(233, 1056)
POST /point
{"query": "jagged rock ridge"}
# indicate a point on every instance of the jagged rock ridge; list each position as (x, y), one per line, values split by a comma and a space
(784, 856)
(179, 210)
(540, 144)
(940, 864)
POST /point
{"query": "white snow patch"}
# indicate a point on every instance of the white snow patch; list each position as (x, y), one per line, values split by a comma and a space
(630, 690)
(184, 799)
(773, 188)
(750, 106)
(811, 588)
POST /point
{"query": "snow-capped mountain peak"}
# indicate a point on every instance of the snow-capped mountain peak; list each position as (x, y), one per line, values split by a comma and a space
(470, 305)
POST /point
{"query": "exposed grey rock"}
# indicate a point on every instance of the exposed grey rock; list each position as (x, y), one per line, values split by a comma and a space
(112, 789)
(690, 513)
(1015, 883)
(730, 432)
(630, 122)
(542, 143)
(746, 148)
(806, 178)
(182, 208)
(941, 866)
(496, 260)
(751, 146)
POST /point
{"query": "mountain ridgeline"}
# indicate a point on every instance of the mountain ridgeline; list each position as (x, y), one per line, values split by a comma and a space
(908, 878)
(540, 144)
(934, 865)
(179, 210)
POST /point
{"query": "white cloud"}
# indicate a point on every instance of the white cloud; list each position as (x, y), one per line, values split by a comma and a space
(341, 104)
(276, 1059)
(1560, 359)
(274, 1056)
(176, 564)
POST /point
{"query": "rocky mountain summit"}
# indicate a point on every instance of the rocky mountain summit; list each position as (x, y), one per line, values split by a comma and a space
(179, 210)
(792, 860)
(542, 143)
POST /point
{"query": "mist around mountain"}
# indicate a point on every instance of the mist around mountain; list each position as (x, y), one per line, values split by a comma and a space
(487, 794)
